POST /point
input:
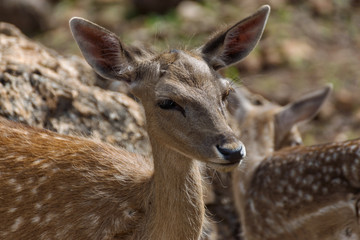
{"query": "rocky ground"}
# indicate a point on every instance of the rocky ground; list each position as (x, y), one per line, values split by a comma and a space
(42, 88)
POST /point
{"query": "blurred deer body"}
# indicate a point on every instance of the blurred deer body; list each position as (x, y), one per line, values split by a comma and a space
(305, 192)
(55, 186)
(265, 129)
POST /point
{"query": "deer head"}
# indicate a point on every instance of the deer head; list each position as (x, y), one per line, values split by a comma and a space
(265, 127)
(181, 91)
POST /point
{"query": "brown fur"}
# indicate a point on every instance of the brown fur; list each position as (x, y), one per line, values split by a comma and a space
(47, 193)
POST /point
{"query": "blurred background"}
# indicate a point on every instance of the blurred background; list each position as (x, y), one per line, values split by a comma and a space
(306, 44)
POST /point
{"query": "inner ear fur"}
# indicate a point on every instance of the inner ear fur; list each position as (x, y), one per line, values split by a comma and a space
(234, 43)
(300, 110)
(103, 50)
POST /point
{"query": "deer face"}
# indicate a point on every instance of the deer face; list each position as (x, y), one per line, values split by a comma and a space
(182, 94)
(186, 109)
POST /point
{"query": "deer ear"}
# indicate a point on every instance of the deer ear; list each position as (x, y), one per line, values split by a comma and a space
(303, 109)
(235, 43)
(102, 49)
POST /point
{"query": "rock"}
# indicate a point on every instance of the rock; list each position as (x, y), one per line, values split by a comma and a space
(30, 16)
(42, 88)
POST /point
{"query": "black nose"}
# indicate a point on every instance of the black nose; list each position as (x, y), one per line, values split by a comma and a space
(232, 154)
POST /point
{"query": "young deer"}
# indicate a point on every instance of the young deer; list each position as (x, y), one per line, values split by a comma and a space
(63, 187)
(255, 119)
(301, 192)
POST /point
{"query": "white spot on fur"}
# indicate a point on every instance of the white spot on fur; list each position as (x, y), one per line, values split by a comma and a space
(290, 189)
(300, 193)
(38, 161)
(12, 210)
(18, 188)
(358, 152)
(20, 158)
(48, 196)
(252, 207)
(327, 178)
(49, 217)
(45, 236)
(19, 198)
(34, 191)
(12, 181)
(292, 173)
(94, 219)
(269, 221)
(279, 204)
(35, 219)
(301, 169)
(16, 224)
(30, 181)
(42, 179)
(68, 208)
(45, 165)
(308, 197)
(242, 187)
(38, 205)
(310, 163)
(357, 161)
(336, 181)
(119, 177)
(315, 187)
(353, 147)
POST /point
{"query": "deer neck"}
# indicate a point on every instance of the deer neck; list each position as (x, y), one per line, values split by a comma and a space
(177, 207)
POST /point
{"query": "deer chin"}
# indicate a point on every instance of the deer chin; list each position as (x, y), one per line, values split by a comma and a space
(224, 166)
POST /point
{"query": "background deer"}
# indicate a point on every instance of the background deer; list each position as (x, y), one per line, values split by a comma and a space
(64, 187)
(301, 192)
(263, 126)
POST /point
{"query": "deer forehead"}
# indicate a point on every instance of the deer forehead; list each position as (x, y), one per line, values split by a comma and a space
(196, 63)
(192, 69)
(187, 74)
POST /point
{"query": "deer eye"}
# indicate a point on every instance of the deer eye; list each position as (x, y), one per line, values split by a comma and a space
(169, 104)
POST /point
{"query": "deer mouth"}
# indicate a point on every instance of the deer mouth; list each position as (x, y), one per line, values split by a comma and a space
(224, 166)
